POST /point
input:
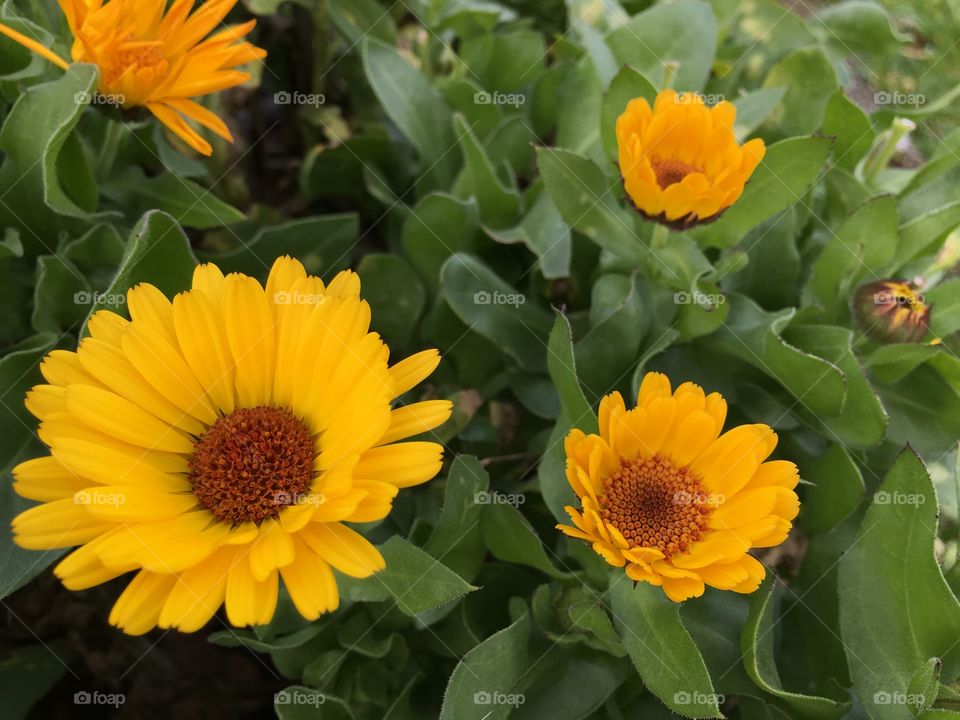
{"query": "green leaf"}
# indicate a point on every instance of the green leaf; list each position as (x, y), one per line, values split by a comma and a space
(485, 679)
(395, 295)
(851, 129)
(788, 170)
(683, 32)
(611, 346)
(924, 410)
(499, 204)
(627, 84)
(890, 363)
(753, 108)
(33, 136)
(159, 253)
(457, 539)
(28, 673)
(863, 419)
(896, 610)
(322, 243)
(920, 234)
(504, 62)
(757, 642)
(511, 538)
(587, 200)
(575, 412)
(190, 204)
(416, 581)
(661, 649)
(561, 363)
(924, 686)
(492, 308)
(438, 226)
(18, 373)
(861, 250)
(858, 26)
(414, 105)
(754, 336)
(945, 301)
(357, 19)
(835, 491)
(714, 622)
(809, 79)
(545, 234)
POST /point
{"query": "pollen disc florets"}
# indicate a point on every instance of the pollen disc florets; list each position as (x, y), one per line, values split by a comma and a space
(654, 504)
(252, 463)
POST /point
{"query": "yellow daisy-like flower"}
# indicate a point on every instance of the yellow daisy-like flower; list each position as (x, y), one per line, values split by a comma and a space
(680, 162)
(667, 497)
(158, 58)
(217, 443)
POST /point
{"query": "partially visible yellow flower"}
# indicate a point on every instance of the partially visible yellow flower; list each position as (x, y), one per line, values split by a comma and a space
(672, 501)
(158, 58)
(892, 311)
(680, 162)
(216, 444)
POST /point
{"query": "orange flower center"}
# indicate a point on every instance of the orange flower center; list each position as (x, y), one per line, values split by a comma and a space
(136, 57)
(252, 463)
(655, 504)
(670, 172)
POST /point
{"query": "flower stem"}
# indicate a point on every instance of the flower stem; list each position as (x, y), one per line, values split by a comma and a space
(41, 50)
(661, 234)
(880, 156)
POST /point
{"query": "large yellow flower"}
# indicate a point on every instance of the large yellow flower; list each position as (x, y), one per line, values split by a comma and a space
(158, 58)
(216, 443)
(672, 501)
(680, 162)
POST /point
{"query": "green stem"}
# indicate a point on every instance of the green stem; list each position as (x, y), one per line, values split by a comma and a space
(661, 233)
(108, 151)
(880, 156)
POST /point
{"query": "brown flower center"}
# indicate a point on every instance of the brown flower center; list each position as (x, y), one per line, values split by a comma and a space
(654, 504)
(670, 172)
(252, 463)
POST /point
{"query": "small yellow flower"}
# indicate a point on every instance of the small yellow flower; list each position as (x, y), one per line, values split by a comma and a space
(667, 497)
(892, 311)
(158, 58)
(217, 443)
(680, 162)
